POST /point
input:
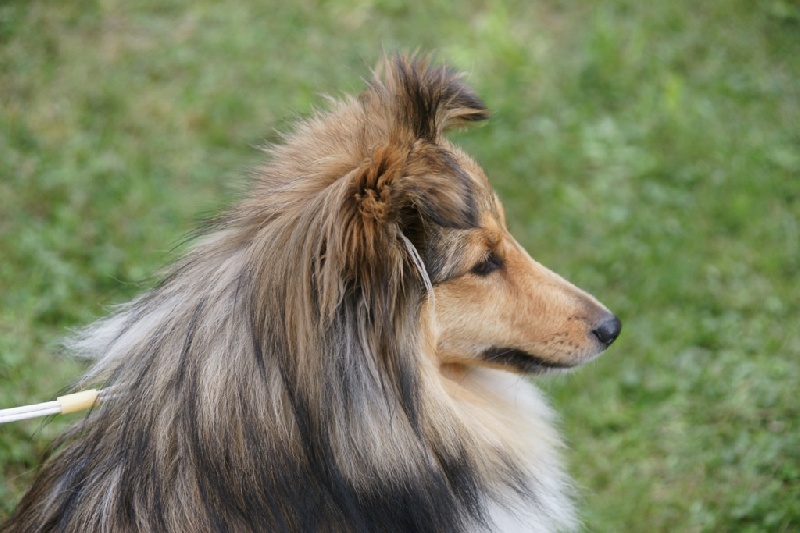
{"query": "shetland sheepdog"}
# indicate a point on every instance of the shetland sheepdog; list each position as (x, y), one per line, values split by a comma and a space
(345, 349)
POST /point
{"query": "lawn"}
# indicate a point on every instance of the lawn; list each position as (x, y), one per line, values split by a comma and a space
(648, 151)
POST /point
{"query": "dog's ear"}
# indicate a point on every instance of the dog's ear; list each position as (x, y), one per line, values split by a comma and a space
(407, 179)
(425, 99)
(408, 171)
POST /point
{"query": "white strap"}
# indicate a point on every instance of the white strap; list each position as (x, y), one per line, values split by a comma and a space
(418, 263)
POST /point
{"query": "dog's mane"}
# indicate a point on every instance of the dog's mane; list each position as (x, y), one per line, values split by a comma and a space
(282, 376)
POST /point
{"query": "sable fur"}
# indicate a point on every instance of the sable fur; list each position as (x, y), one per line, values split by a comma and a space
(292, 372)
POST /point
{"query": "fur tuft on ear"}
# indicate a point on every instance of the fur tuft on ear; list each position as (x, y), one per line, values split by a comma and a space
(374, 182)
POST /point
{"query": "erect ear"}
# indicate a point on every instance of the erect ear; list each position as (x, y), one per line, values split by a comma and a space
(425, 99)
(406, 180)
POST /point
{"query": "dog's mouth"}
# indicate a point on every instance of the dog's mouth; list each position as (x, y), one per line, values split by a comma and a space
(522, 361)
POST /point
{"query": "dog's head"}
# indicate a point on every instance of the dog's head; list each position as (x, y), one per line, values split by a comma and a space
(494, 305)
(497, 306)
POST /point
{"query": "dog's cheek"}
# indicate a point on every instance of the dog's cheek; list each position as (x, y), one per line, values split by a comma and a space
(468, 316)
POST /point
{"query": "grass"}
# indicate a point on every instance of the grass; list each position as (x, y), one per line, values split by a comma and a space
(650, 152)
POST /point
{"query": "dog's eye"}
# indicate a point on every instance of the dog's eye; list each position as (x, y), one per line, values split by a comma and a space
(487, 265)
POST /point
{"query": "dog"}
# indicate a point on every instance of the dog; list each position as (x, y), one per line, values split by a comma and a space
(346, 348)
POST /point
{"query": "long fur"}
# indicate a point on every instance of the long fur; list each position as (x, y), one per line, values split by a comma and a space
(290, 373)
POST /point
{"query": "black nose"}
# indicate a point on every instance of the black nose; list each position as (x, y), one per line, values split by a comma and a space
(608, 330)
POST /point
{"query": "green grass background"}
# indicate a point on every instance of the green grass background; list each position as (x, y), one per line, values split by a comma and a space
(648, 151)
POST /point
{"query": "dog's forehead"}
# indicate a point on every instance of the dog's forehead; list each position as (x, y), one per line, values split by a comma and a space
(485, 196)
